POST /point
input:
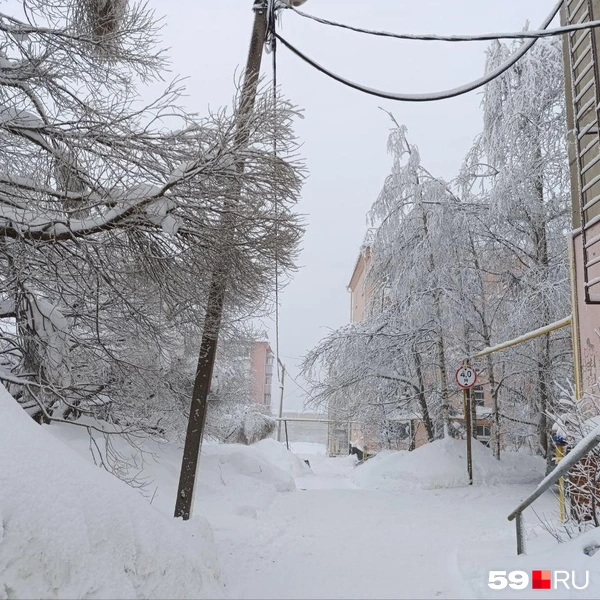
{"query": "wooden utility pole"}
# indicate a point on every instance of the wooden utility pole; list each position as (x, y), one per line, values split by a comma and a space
(281, 387)
(219, 279)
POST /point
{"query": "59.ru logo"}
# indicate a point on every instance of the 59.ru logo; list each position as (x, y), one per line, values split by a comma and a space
(539, 580)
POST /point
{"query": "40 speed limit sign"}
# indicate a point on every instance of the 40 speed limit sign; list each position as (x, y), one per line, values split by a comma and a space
(466, 377)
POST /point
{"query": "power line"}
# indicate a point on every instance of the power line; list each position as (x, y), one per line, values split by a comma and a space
(271, 42)
(308, 394)
(429, 97)
(483, 37)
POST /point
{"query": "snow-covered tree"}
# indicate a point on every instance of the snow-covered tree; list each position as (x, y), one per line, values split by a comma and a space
(523, 158)
(110, 212)
(396, 361)
(456, 267)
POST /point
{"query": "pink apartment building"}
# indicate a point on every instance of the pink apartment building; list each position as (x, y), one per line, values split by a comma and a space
(262, 360)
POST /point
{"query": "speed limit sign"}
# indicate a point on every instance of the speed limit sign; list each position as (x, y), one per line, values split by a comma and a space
(466, 377)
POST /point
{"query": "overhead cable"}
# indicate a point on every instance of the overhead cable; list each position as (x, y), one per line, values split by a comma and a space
(272, 43)
(433, 96)
(482, 37)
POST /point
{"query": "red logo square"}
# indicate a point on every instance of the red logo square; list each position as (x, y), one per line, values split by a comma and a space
(541, 580)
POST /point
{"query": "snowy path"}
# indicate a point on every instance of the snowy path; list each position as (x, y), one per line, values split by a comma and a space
(340, 532)
(336, 541)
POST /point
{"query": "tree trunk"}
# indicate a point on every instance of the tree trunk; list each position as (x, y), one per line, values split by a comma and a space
(441, 350)
(421, 397)
(443, 371)
(544, 360)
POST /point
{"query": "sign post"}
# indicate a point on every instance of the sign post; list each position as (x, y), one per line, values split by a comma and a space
(466, 377)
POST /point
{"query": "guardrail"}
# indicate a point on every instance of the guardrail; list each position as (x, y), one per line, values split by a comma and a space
(588, 443)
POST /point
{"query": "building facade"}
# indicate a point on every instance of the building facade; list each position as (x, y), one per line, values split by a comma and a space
(582, 81)
(360, 290)
(262, 362)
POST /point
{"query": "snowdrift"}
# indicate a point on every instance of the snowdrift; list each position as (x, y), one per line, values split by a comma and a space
(278, 455)
(232, 478)
(71, 530)
(237, 479)
(442, 464)
(574, 556)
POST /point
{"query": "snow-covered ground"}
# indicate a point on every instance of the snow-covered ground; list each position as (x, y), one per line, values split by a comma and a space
(70, 530)
(402, 525)
(335, 539)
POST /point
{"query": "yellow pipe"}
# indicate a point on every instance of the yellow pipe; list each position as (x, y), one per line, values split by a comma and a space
(523, 338)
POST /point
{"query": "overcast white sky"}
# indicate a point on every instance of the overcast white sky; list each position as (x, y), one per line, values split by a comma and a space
(343, 132)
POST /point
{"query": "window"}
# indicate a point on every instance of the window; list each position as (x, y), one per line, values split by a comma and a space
(267, 398)
(268, 380)
(477, 395)
(270, 359)
(484, 431)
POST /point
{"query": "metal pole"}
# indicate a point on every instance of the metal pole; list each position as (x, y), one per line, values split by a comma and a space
(568, 462)
(281, 385)
(349, 437)
(287, 439)
(473, 414)
(218, 286)
(467, 411)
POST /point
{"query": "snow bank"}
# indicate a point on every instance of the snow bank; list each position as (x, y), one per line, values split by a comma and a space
(70, 530)
(247, 462)
(278, 455)
(233, 479)
(575, 556)
(238, 480)
(578, 555)
(442, 464)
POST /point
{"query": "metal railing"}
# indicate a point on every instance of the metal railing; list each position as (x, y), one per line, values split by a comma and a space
(588, 443)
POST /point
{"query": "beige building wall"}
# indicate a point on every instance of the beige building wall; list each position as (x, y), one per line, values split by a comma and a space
(360, 290)
(585, 181)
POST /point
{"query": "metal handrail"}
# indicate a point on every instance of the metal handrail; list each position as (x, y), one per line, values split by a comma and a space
(588, 443)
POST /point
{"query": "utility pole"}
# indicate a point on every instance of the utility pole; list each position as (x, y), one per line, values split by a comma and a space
(281, 385)
(218, 285)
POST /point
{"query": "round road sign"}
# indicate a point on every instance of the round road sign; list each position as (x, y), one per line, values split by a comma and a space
(466, 377)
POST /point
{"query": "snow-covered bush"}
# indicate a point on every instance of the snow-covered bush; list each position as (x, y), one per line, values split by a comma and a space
(582, 485)
(241, 423)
